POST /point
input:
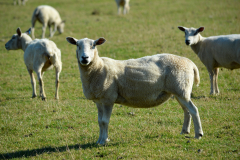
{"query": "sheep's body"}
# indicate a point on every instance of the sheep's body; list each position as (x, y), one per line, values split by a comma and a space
(124, 4)
(47, 16)
(143, 83)
(215, 52)
(39, 56)
(23, 2)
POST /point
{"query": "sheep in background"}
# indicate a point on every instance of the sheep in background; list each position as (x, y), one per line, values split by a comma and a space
(214, 52)
(141, 83)
(48, 16)
(39, 56)
(19, 2)
(124, 4)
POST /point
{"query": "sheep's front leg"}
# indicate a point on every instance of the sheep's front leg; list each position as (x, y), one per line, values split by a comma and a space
(44, 29)
(195, 116)
(55, 29)
(58, 70)
(215, 79)
(33, 82)
(211, 76)
(104, 113)
(42, 92)
(50, 30)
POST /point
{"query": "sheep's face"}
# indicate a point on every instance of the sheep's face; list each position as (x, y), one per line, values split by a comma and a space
(60, 27)
(13, 43)
(191, 35)
(85, 49)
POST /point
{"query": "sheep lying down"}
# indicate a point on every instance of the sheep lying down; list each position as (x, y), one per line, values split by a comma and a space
(141, 83)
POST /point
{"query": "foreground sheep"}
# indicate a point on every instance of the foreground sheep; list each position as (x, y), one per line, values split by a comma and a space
(142, 83)
(19, 2)
(214, 52)
(124, 4)
(48, 16)
(39, 56)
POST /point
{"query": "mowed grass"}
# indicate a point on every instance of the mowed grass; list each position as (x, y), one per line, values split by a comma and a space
(68, 128)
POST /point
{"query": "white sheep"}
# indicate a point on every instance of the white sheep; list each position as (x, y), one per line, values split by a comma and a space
(124, 4)
(39, 56)
(141, 83)
(19, 2)
(48, 16)
(214, 52)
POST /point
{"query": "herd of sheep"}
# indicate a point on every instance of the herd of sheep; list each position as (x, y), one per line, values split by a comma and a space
(141, 83)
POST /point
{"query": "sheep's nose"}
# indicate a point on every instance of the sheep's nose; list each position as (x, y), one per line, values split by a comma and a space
(187, 42)
(84, 58)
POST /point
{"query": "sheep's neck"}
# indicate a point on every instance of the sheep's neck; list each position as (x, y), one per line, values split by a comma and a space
(196, 47)
(25, 40)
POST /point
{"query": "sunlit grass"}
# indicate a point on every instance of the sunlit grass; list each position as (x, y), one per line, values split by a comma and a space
(68, 128)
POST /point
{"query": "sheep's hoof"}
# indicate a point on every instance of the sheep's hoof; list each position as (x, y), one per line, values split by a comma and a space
(44, 98)
(184, 132)
(34, 96)
(199, 136)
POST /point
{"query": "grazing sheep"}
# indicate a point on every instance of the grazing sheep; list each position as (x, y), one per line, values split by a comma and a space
(19, 2)
(124, 4)
(141, 83)
(48, 16)
(39, 56)
(214, 52)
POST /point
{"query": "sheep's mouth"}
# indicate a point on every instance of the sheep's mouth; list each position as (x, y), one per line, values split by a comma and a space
(84, 62)
(7, 47)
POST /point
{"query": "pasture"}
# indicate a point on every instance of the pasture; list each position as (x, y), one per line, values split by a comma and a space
(68, 129)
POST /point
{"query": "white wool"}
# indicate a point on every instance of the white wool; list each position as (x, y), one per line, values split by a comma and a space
(214, 52)
(142, 83)
(124, 4)
(39, 56)
(47, 15)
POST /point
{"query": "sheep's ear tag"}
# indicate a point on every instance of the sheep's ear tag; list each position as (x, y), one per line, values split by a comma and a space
(28, 31)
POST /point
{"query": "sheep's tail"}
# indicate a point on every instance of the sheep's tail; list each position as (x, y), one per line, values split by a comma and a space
(196, 75)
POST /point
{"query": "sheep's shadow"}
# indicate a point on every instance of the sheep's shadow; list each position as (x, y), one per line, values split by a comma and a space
(34, 152)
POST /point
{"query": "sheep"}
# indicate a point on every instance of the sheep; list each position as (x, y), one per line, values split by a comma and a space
(214, 52)
(47, 15)
(19, 2)
(140, 83)
(124, 4)
(39, 55)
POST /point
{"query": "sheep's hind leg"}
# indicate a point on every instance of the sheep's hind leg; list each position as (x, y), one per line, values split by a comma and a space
(215, 78)
(195, 116)
(33, 82)
(187, 120)
(104, 113)
(42, 93)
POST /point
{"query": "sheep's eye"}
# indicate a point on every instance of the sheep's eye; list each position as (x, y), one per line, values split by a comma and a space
(195, 33)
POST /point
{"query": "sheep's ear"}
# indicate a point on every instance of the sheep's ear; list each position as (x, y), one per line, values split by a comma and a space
(72, 40)
(200, 29)
(182, 28)
(19, 32)
(28, 31)
(99, 41)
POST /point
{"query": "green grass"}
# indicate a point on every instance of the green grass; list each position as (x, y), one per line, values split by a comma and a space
(68, 128)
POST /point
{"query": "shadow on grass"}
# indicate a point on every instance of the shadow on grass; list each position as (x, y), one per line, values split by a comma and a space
(35, 152)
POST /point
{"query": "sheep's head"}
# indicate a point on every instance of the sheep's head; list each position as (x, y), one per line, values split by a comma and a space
(15, 42)
(85, 48)
(60, 27)
(191, 34)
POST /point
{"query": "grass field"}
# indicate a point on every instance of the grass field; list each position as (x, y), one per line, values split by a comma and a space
(68, 128)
